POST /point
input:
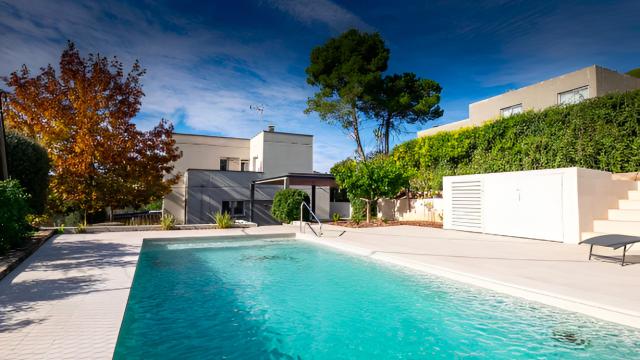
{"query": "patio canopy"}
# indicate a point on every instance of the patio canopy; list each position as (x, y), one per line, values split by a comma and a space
(295, 179)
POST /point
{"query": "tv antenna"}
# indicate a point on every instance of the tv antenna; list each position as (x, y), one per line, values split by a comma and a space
(259, 109)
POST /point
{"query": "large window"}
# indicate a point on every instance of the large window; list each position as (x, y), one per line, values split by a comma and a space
(573, 96)
(234, 208)
(338, 195)
(224, 164)
(511, 110)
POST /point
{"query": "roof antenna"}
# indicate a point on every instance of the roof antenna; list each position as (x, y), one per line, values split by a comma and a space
(259, 108)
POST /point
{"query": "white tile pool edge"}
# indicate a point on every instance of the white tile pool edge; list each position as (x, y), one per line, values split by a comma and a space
(600, 311)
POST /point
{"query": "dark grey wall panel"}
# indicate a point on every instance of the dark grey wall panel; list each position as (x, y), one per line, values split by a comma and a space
(207, 189)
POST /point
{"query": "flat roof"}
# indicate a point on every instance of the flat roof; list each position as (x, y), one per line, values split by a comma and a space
(241, 138)
(317, 179)
(211, 136)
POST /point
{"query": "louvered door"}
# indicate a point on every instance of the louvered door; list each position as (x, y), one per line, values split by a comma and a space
(466, 205)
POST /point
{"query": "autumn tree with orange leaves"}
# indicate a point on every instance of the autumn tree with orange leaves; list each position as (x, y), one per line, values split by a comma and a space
(83, 116)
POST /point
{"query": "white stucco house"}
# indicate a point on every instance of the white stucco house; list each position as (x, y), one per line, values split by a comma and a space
(219, 173)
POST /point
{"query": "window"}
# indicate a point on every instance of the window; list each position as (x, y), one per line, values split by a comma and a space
(573, 96)
(244, 165)
(511, 110)
(224, 164)
(234, 208)
(338, 195)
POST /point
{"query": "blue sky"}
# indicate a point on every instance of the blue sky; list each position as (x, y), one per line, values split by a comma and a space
(208, 61)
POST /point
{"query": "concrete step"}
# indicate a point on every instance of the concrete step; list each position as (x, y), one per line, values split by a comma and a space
(633, 195)
(617, 227)
(624, 215)
(629, 204)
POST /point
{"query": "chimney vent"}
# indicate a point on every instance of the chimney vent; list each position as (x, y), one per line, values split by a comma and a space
(271, 128)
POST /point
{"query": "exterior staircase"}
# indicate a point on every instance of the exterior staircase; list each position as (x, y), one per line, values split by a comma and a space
(625, 219)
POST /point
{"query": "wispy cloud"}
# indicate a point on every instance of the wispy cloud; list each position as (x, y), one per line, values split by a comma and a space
(336, 17)
(202, 79)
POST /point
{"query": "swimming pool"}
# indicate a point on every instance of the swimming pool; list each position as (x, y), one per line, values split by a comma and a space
(249, 298)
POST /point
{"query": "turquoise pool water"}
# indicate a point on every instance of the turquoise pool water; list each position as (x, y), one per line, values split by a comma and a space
(284, 299)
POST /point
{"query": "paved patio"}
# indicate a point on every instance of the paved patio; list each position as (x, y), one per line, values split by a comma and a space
(68, 299)
(552, 273)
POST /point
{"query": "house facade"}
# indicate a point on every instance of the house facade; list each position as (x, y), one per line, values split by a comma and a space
(217, 174)
(570, 88)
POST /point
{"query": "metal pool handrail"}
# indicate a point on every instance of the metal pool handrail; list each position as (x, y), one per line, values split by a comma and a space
(302, 206)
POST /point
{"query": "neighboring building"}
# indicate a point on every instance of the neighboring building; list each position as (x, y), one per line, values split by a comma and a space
(217, 173)
(570, 88)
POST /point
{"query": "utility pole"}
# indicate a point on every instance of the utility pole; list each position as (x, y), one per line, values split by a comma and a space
(4, 171)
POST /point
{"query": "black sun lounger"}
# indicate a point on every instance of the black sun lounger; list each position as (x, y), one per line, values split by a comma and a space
(612, 241)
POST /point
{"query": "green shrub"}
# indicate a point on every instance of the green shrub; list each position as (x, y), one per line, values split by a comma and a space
(601, 133)
(14, 208)
(358, 207)
(167, 222)
(81, 228)
(286, 205)
(223, 220)
(73, 219)
(28, 163)
(335, 217)
(357, 218)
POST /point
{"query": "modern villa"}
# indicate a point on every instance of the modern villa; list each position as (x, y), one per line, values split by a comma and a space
(571, 88)
(219, 174)
(148, 211)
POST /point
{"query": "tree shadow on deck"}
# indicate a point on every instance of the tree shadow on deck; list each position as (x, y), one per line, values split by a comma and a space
(46, 277)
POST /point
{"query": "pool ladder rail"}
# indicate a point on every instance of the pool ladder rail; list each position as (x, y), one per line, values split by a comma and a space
(303, 223)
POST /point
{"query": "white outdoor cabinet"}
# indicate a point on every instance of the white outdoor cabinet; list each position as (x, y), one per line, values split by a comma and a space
(554, 204)
(524, 206)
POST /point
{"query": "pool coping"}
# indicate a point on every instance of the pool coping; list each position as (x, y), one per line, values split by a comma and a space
(596, 310)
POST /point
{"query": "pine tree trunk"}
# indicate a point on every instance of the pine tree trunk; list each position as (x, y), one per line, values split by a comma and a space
(356, 133)
(387, 129)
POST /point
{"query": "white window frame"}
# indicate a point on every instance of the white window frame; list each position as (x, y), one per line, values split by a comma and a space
(508, 111)
(575, 92)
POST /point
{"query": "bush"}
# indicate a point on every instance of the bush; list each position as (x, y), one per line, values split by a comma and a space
(601, 133)
(223, 220)
(335, 217)
(14, 208)
(81, 228)
(167, 222)
(28, 163)
(286, 205)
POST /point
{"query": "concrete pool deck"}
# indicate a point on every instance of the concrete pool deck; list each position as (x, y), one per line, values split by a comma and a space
(68, 299)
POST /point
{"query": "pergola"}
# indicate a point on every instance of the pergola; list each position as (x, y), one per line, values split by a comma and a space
(295, 179)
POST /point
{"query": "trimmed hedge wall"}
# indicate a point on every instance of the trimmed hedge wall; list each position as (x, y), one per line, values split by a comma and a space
(14, 208)
(601, 133)
(29, 164)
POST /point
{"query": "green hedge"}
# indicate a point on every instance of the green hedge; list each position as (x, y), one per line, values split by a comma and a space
(14, 209)
(286, 205)
(28, 163)
(601, 133)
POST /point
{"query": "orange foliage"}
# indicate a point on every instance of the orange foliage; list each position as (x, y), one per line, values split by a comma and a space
(83, 117)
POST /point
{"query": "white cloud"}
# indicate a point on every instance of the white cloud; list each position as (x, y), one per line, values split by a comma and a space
(327, 12)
